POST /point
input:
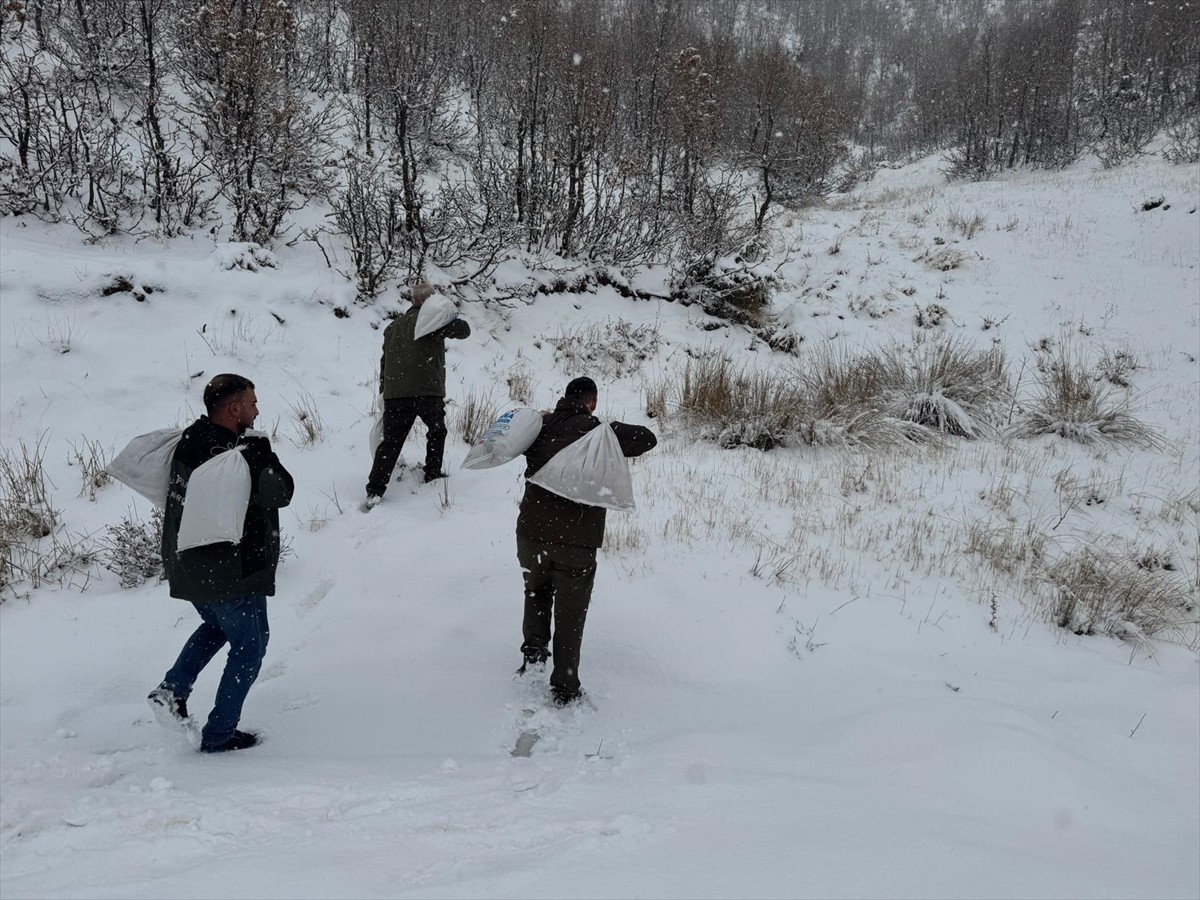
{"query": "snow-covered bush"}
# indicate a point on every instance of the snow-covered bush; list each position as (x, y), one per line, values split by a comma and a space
(733, 288)
(132, 549)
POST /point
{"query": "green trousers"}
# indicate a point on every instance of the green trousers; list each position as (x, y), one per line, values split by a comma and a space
(558, 585)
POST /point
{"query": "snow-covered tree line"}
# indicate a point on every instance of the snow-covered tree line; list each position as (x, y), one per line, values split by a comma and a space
(441, 132)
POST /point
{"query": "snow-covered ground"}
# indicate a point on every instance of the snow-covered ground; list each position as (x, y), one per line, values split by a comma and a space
(804, 684)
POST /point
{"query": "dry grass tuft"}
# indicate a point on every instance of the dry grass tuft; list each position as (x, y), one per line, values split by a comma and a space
(91, 459)
(967, 226)
(1072, 404)
(475, 414)
(739, 406)
(33, 549)
(1098, 592)
(310, 429)
(948, 386)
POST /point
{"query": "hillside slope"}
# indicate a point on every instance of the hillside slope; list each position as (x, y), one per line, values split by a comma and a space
(805, 685)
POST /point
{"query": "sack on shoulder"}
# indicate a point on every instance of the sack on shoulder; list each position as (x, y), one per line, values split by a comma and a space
(214, 508)
(436, 312)
(591, 471)
(145, 464)
(508, 437)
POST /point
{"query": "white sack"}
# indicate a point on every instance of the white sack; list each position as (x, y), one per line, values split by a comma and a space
(145, 464)
(591, 471)
(505, 439)
(376, 436)
(436, 312)
(218, 494)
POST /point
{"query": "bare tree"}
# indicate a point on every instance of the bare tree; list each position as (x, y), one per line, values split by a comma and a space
(266, 144)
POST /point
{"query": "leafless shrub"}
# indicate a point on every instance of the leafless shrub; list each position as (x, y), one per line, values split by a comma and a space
(1116, 366)
(612, 349)
(948, 386)
(1072, 404)
(91, 459)
(369, 212)
(1096, 591)
(736, 289)
(931, 315)
(60, 558)
(132, 549)
(1183, 140)
(858, 169)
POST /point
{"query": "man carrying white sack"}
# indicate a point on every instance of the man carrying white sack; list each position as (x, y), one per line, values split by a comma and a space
(227, 582)
(412, 384)
(557, 539)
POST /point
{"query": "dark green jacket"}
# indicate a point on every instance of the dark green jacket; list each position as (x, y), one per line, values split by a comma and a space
(552, 519)
(217, 572)
(416, 368)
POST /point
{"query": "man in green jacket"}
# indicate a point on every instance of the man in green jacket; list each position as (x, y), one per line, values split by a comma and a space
(227, 583)
(412, 382)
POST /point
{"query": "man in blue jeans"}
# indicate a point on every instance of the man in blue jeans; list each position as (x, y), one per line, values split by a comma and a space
(227, 583)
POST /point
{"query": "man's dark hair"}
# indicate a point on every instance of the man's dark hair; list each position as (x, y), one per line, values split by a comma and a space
(224, 388)
(581, 388)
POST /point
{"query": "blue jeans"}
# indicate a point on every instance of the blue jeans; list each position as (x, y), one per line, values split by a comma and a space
(242, 622)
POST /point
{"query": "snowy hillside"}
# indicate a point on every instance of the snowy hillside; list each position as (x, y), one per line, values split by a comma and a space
(817, 671)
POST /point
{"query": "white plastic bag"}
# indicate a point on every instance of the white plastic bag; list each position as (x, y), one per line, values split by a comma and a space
(436, 312)
(214, 509)
(145, 464)
(505, 439)
(591, 471)
(376, 436)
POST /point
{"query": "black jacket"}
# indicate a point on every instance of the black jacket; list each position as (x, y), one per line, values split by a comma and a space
(552, 519)
(217, 572)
